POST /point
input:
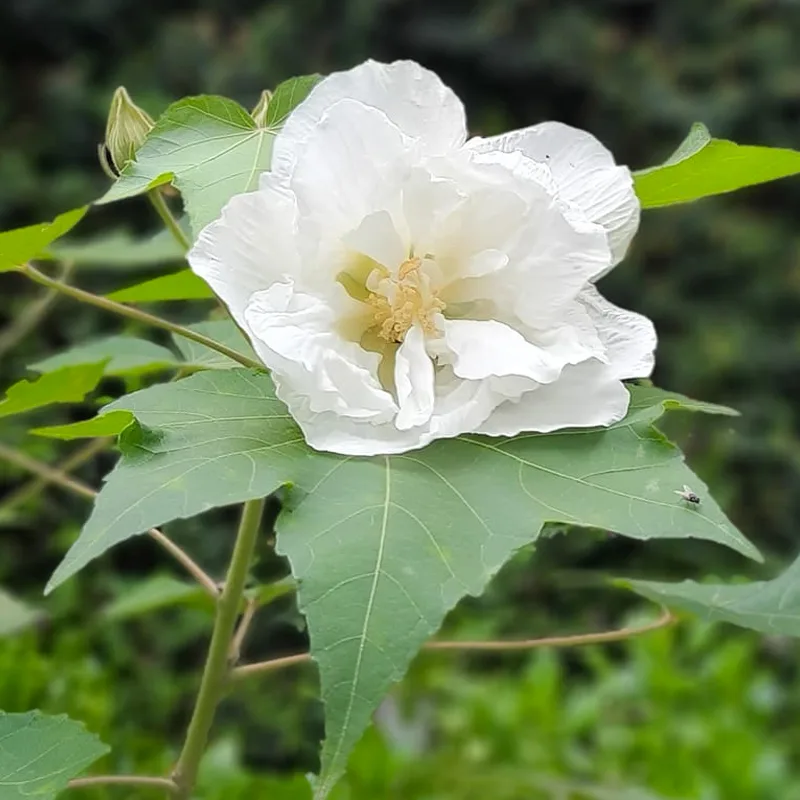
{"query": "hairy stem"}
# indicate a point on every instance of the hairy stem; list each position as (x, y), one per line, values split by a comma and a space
(666, 618)
(138, 315)
(162, 209)
(217, 667)
(59, 478)
(124, 780)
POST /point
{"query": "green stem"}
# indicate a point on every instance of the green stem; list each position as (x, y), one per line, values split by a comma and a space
(217, 668)
(162, 209)
(136, 314)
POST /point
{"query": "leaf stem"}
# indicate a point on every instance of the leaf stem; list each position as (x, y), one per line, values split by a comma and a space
(217, 667)
(138, 315)
(158, 202)
(125, 780)
(666, 618)
(59, 478)
(241, 631)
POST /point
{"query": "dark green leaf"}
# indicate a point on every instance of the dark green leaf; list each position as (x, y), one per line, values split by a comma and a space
(40, 754)
(209, 147)
(123, 355)
(771, 607)
(66, 385)
(23, 244)
(153, 594)
(183, 285)
(703, 166)
(287, 96)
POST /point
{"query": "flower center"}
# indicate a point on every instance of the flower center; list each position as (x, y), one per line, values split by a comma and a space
(401, 301)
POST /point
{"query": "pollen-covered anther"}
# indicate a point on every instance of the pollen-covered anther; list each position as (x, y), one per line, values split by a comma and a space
(407, 300)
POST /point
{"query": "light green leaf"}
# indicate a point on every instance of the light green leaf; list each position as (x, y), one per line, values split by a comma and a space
(703, 166)
(385, 546)
(223, 331)
(65, 385)
(209, 147)
(111, 424)
(15, 615)
(24, 244)
(41, 754)
(118, 250)
(287, 96)
(771, 607)
(123, 355)
(153, 594)
(183, 285)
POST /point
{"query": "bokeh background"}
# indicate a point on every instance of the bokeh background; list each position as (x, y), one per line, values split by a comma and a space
(696, 712)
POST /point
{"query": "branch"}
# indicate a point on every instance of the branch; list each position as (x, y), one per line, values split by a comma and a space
(235, 651)
(140, 316)
(125, 780)
(75, 486)
(162, 209)
(666, 618)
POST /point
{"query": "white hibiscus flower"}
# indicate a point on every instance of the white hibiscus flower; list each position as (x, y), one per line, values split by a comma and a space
(403, 283)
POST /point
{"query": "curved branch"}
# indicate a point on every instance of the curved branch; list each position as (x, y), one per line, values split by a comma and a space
(123, 780)
(575, 640)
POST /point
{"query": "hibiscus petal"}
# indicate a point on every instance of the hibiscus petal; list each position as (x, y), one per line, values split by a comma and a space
(629, 339)
(249, 247)
(414, 379)
(413, 98)
(585, 172)
(586, 395)
(481, 349)
(377, 238)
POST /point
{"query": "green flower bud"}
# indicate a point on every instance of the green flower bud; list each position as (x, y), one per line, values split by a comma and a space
(126, 129)
(259, 112)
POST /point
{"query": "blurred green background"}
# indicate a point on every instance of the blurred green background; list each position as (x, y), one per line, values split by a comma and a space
(696, 713)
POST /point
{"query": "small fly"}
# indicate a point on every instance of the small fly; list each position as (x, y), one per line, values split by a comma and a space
(688, 495)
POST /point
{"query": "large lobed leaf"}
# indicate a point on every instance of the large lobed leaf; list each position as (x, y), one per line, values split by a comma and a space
(40, 754)
(383, 548)
(703, 166)
(771, 607)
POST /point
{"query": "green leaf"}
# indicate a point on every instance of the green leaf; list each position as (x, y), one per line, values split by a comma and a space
(41, 754)
(771, 607)
(183, 285)
(123, 355)
(287, 96)
(15, 615)
(153, 594)
(118, 250)
(703, 166)
(209, 147)
(223, 331)
(65, 385)
(111, 424)
(383, 548)
(215, 438)
(24, 244)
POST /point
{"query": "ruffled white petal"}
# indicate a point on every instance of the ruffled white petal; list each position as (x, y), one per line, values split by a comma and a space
(414, 379)
(586, 395)
(585, 173)
(413, 98)
(629, 339)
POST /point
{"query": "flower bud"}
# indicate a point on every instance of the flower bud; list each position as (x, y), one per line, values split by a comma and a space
(259, 112)
(126, 129)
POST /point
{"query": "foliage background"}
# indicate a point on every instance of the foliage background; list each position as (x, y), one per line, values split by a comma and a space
(696, 713)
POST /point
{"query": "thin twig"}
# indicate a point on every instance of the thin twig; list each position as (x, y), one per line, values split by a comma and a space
(235, 651)
(162, 209)
(33, 487)
(138, 315)
(666, 618)
(124, 780)
(78, 487)
(33, 315)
